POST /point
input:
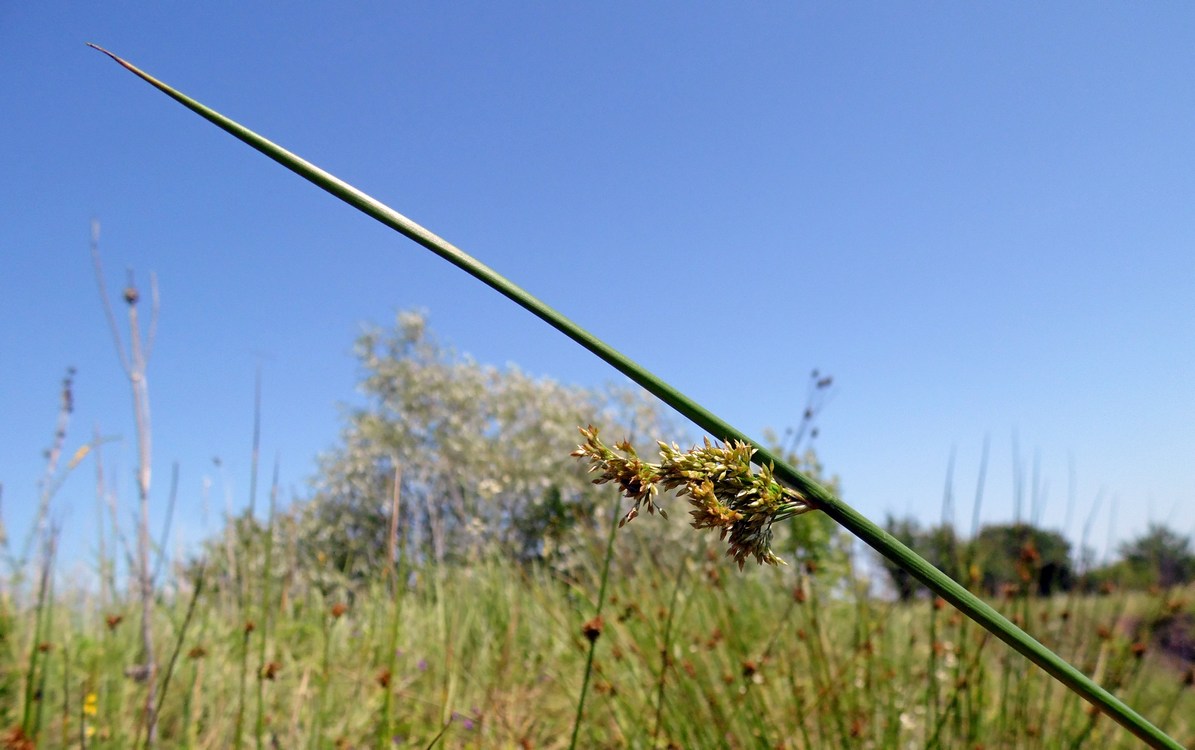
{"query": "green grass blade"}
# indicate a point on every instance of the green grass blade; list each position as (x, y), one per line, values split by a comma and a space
(823, 499)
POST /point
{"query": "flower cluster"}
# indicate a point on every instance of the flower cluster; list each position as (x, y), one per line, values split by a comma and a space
(719, 481)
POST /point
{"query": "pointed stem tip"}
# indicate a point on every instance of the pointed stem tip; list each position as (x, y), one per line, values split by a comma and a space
(117, 58)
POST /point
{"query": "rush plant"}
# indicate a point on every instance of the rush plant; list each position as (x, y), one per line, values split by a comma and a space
(804, 489)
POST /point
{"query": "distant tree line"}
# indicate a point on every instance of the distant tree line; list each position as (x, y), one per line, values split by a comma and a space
(1021, 559)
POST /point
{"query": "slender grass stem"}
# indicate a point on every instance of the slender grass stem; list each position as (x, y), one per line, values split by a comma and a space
(266, 611)
(666, 650)
(818, 496)
(397, 573)
(596, 622)
(182, 632)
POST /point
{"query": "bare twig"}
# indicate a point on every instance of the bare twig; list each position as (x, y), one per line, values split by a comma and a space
(135, 362)
(392, 537)
(155, 306)
(109, 314)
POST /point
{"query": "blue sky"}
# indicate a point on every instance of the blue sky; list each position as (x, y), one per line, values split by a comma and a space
(977, 217)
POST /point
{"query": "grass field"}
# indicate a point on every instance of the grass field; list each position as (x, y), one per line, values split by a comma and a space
(689, 652)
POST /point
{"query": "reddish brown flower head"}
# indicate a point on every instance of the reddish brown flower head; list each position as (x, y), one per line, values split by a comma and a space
(592, 630)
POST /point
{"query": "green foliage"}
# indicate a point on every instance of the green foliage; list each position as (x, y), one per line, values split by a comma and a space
(9, 675)
(1160, 557)
(939, 545)
(1023, 559)
(1002, 558)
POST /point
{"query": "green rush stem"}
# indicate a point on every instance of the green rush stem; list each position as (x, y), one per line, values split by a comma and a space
(818, 496)
(266, 611)
(600, 604)
(666, 650)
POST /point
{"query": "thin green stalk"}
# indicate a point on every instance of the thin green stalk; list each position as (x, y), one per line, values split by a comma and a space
(321, 699)
(821, 657)
(266, 611)
(64, 729)
(242, 555)
(179, 641)
(970, 672)
(593, 629)
(818, 496)
(931, 671)
(666, 650)
(42, 624)
(397, 571)
(239, 730)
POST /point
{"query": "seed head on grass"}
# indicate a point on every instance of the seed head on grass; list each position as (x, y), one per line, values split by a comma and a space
(726, 493)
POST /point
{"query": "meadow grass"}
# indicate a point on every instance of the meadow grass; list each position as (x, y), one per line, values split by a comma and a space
(494, 654)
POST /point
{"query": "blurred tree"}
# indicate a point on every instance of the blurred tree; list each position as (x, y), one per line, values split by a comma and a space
(1159, 557)
(1021, 558)
(483, 456)
(939, 545)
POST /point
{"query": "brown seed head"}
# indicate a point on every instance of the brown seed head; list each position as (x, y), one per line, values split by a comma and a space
(857, 727)
(338, 609)
(113, 621)
(592, 630)
(750, 667)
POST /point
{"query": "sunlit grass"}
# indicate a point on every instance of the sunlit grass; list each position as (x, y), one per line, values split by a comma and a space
(494, 655)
